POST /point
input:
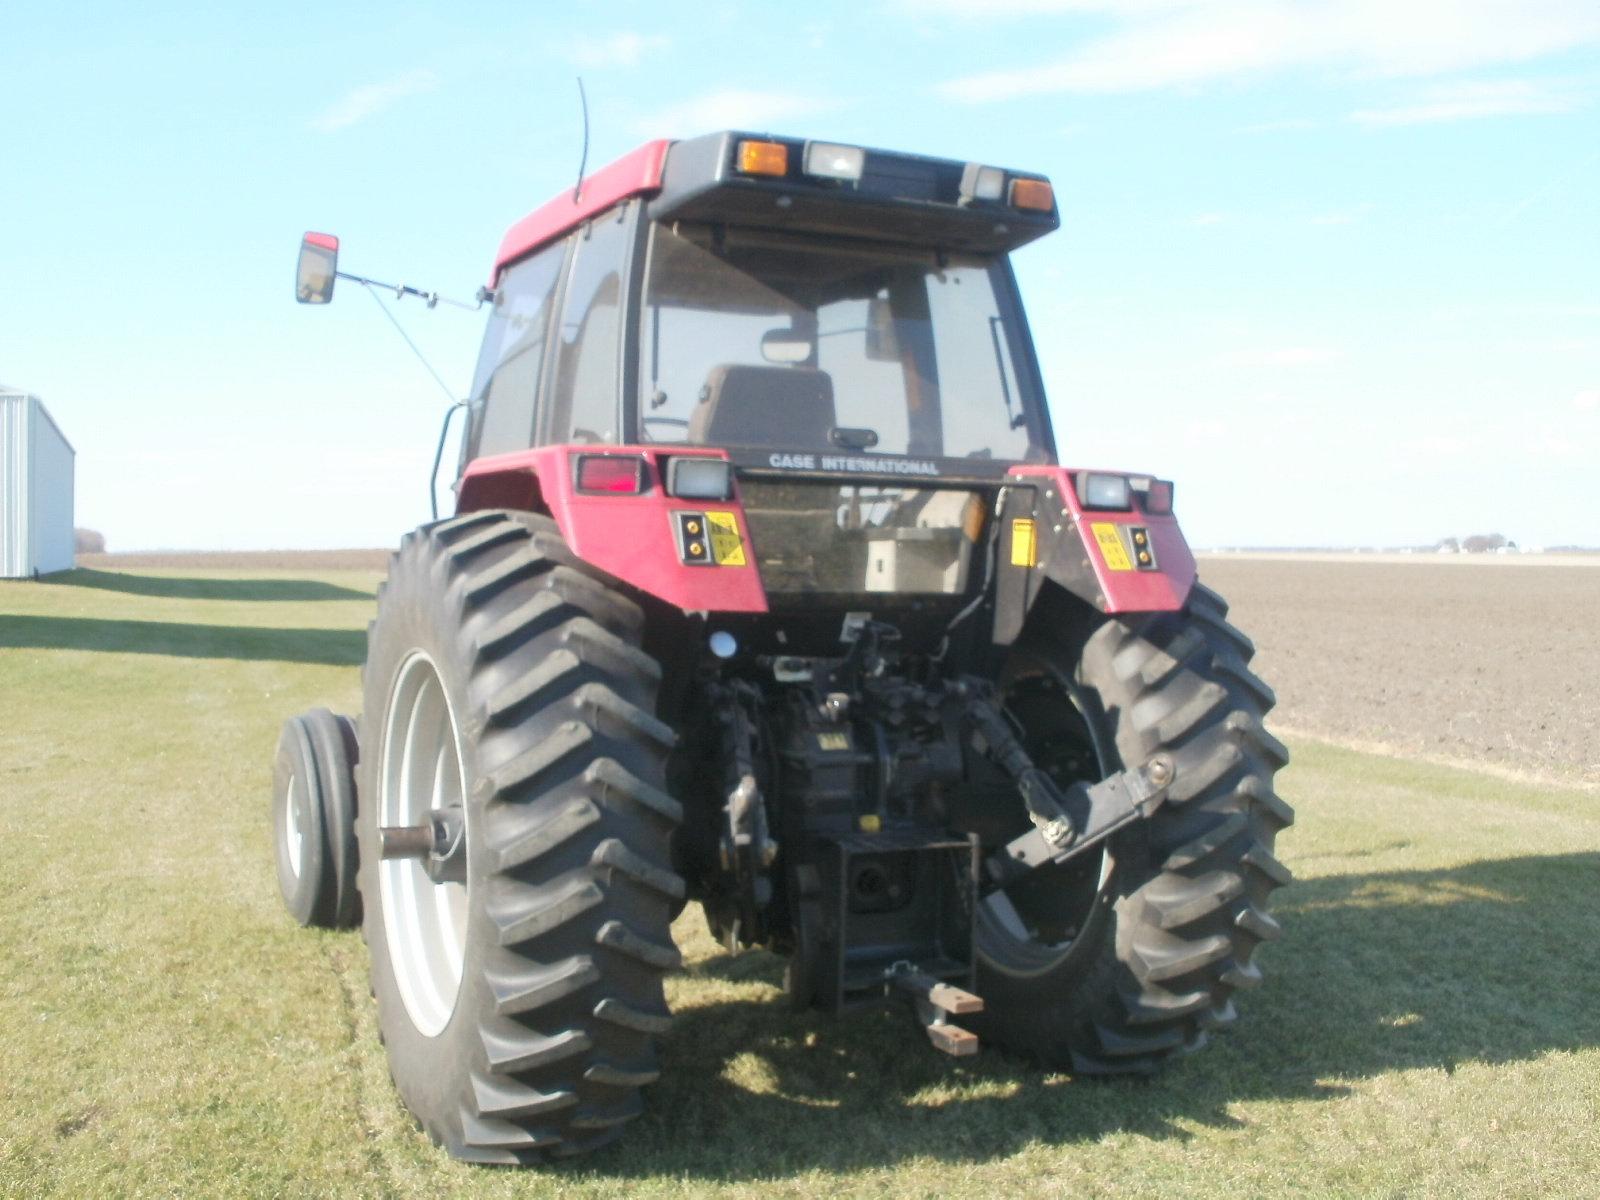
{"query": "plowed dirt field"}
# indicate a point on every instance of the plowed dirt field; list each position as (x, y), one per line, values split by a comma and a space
(1489, 662)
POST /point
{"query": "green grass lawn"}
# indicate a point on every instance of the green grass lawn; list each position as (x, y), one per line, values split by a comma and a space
(1429, 1024)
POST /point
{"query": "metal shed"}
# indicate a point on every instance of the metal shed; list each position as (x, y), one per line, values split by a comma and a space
(36, 489)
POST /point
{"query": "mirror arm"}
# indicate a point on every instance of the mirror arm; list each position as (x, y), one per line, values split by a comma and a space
(431, 298)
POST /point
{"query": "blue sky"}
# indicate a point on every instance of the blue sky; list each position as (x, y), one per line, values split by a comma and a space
(1334, 266)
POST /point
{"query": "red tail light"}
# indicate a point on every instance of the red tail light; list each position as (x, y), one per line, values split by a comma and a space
(610, 474)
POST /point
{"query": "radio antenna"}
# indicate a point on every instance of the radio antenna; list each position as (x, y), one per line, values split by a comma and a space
(583, 159)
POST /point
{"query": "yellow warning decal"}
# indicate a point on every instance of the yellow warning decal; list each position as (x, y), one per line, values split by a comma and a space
(727, 547)
(1111, 547)
(1024, 542)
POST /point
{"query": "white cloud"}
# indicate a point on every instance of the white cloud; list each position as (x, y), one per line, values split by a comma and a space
(985, 9)
(1203, 220)
(1284, 356)
(625, 49)
(1346, 216)
(1155, 45)
(1587, 401)
(817, 34)
(1452, 445)
(731, 109)
(1463, 101)
(1284, 125)
(369, 100)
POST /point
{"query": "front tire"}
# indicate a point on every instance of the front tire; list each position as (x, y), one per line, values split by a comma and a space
(519, 1007)
(333, 737)
(1123, 959)
(299, 834)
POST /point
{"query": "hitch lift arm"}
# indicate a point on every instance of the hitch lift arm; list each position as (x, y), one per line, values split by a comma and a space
(746, 847)
(1092, 813)
(1066, 821)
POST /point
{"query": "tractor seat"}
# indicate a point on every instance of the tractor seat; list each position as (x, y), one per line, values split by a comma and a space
(782, 407)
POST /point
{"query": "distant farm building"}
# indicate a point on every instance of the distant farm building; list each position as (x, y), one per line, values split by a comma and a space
(36, 489)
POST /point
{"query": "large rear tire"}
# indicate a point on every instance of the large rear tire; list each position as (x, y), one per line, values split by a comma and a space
(1119, 960)
(519, 1007)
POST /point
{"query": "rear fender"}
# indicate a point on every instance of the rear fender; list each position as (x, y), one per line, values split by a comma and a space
(632, 537)
(1079, 550)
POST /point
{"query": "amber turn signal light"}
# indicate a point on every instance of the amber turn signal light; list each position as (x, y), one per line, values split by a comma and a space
(1036, 194)
(763, 158)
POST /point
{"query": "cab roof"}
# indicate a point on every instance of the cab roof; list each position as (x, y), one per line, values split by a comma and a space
(893, 197)
(635, 174)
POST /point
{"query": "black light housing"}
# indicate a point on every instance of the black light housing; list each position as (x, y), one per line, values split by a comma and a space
(1158, 497)
(696, 477)
(733, 178)
(1104, 491)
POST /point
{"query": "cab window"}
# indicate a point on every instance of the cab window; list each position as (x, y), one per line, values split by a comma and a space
(753, 338)
(585, 398)
(505, 390)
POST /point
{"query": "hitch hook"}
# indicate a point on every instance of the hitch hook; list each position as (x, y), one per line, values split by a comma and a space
(936, 1002)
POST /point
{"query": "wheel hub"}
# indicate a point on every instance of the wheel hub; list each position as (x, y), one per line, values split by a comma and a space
(439, 844)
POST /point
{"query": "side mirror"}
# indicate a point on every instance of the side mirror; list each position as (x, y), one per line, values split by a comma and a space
(318, 266)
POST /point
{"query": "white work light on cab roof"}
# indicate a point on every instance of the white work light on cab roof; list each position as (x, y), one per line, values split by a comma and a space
(830, 161)
(982, 183)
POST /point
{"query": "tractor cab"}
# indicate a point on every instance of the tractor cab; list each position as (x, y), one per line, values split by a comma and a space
(782, 298)
(838, 327)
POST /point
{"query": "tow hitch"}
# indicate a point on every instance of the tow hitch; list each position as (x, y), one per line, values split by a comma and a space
(936, 1002)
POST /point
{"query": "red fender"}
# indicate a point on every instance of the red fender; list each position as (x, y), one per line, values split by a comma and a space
(630, 536)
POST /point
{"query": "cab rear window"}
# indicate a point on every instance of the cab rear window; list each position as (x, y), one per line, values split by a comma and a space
(757, 339)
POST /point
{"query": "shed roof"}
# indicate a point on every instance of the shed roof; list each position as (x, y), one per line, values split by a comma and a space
(10, 393)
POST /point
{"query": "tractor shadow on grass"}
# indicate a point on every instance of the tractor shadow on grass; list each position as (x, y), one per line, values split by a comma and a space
(245, 643)
(1484, 963)
(175, 587)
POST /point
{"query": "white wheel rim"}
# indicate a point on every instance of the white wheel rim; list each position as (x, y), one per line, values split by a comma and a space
(294, 837)
(425, 923)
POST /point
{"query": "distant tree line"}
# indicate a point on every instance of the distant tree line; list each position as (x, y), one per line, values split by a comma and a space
(89, 541)
(1478, 543)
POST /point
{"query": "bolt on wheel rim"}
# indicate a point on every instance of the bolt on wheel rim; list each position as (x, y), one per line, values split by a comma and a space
(425, 923)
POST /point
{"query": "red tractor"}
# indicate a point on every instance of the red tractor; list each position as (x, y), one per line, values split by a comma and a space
(765, 590)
